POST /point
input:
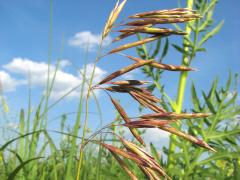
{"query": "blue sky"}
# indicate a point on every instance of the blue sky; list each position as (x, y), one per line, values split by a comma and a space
(24, 37)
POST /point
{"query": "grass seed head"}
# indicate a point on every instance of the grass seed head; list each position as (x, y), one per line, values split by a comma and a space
(133, 44)
(112, 18)
(124, 115)
(123, 71)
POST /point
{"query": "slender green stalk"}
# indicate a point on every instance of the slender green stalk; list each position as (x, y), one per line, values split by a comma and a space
(49, 59)
(181, 89)
(86, 108)
(77, 122)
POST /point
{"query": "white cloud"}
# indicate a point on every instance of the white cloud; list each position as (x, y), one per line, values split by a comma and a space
(64, 81)
(156, 135)
(87, 40)
(7, 83)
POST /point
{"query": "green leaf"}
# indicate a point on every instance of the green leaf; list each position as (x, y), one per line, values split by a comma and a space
(165, 50)
(236, 169)
(11, 141)
(194, 97)
(155, 153)
(18, 168)
(210, 34)
(209, 104)
(157, 48)
(180, 49)
(213, 89)
(218, 135)
(219, 156)
(231, 100)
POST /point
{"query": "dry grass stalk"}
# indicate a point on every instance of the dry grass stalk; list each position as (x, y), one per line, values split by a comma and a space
(112, 18)
(133, 44)
(124, 166)
(123, 71)
(162, 66)
(124, 115)
(187, 137)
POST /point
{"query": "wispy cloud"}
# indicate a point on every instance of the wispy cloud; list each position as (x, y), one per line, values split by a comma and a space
(88, 40)
(38, 73)
(7, 82)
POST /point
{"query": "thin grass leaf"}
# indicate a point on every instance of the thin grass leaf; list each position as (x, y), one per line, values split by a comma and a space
(19, 137)
(211, 33)
(18, 168)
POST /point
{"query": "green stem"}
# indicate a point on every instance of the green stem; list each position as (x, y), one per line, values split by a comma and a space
(86, 116)
(181, 91)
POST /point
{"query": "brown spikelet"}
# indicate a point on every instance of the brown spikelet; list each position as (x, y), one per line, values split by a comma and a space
(187, 137)
(147, 123)
(123, 71)
(128, 82)
(140, 152)
(112, 18)
(127, 120)
(174, 116)
(133, 44)
(144, 102)
(148, 97)
(149, 173)
(127, 34)
(154, 21)
(169, 16)
(124, 166)
(131, 156)
(152, 30)
(142, 93)
(122, 36)
(163, 66)
(177, 12)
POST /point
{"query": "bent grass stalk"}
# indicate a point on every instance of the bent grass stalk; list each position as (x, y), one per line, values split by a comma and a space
(86, 109)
